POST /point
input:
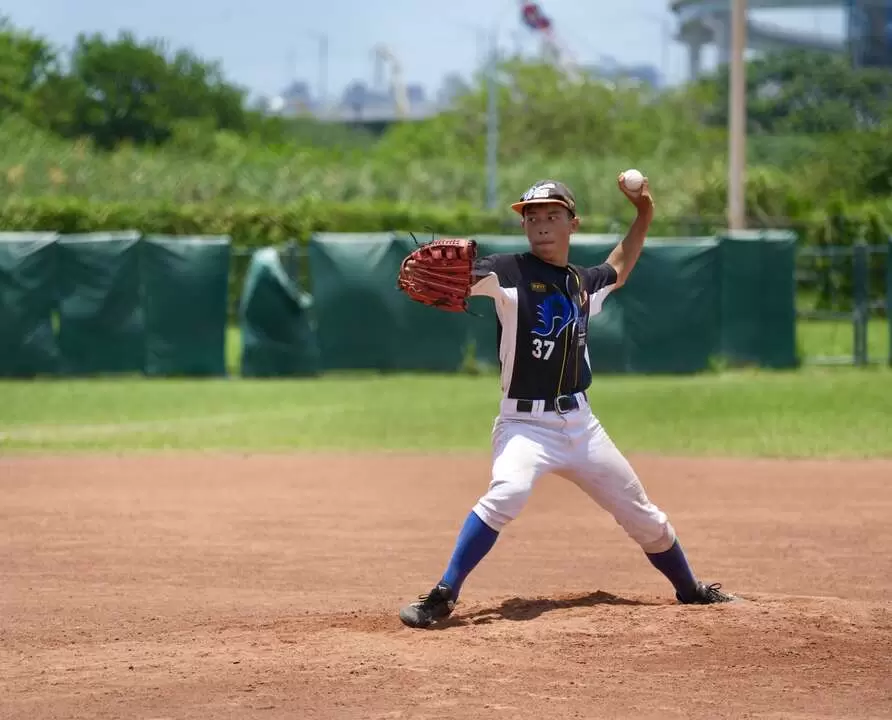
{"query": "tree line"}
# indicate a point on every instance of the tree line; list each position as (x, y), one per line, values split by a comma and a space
(815, 122)
(121, 90)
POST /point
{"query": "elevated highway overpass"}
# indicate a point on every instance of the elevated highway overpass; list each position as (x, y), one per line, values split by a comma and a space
(702, 23)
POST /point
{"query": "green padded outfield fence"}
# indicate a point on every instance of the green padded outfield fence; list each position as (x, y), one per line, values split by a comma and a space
(687, 302)
(122, 302)
(101, 317)
(112, 303)
(27, 301)
(184, 284)
(279, 332)
(365, 322)
(758, 299)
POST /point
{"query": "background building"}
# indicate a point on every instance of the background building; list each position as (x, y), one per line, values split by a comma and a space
(867, 38)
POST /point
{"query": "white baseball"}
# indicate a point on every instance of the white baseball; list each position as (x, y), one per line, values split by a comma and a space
(633, 179)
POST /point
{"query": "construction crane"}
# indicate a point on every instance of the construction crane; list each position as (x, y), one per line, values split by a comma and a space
(554, 50)
(383, 55)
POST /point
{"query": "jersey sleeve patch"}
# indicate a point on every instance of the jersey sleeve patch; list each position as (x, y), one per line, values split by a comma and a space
(600, 281)
(491, 274)
(484, 266)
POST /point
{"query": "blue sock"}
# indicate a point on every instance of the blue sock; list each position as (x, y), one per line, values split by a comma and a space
(474, 541)
(674, 565)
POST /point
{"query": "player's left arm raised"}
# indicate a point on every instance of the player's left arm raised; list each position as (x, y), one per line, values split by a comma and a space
(624, 256)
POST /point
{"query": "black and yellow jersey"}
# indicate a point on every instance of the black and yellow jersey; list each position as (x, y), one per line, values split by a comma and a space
(543, 312)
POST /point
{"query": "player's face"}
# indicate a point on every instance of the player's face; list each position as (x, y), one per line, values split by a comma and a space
(548, 227)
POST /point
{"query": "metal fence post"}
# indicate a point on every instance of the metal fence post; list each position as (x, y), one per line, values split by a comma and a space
(291, 260)
(889, 294)
(861, 308)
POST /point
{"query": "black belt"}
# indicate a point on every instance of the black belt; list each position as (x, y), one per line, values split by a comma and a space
(561, 404)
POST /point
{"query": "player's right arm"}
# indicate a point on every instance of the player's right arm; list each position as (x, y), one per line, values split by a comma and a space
(625, 255)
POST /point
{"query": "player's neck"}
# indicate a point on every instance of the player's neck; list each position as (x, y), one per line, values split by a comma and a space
(556, 257)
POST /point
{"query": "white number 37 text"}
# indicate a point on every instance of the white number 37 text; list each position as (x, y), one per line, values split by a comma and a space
(538, 344)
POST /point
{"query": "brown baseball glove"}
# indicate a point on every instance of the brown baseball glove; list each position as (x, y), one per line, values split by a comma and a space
(439, 273)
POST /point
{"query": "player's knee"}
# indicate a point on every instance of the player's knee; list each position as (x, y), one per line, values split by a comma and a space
(504, 500)
(499, 508)
(495, 515)
(652, 531)
(659, 540)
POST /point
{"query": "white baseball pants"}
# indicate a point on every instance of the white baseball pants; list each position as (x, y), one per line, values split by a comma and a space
(527, 445)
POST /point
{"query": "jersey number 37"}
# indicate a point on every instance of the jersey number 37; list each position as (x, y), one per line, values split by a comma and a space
(539, 344)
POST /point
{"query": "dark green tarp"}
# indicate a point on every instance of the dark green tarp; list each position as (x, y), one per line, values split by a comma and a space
(365, 322)
(184, 287)
(354, 308)
(101, 328)
(28, 300)
(688, 302)
(759, 298)
(670, 307)
(278, 328)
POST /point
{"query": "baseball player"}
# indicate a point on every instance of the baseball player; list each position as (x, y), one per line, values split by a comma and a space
(545, 424)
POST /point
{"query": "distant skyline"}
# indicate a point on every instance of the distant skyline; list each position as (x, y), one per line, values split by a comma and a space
(274, 42)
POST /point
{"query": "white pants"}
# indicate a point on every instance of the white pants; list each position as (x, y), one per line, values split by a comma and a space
(527, 445)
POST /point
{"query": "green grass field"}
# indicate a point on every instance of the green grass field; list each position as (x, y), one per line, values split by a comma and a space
(815, 412)
(830, 411)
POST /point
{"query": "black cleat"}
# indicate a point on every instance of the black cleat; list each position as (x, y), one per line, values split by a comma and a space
(436, 605)
(706, 595)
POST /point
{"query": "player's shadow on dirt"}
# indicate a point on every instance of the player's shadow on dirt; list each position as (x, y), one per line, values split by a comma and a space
(520, 609)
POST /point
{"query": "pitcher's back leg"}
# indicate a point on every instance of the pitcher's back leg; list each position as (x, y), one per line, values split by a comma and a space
(605, 474)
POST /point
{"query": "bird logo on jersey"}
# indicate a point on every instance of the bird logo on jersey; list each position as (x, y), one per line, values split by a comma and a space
(555, 314)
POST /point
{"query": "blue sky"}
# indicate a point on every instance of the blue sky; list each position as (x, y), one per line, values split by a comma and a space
(276, 41)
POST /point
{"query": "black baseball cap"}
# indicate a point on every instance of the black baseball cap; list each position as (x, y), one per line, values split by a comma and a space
(546, 191)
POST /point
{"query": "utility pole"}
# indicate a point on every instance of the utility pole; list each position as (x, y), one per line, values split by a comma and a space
(737, 119)
(323, 70)
(322, 82)
(492, 127)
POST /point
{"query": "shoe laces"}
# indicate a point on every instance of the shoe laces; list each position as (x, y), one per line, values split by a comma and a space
(434, 597)
(714, 591)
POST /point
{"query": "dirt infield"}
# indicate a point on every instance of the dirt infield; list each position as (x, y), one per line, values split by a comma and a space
(203, 586)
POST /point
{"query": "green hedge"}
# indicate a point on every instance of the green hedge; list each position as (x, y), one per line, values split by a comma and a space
(249, 225)
(253, 225)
